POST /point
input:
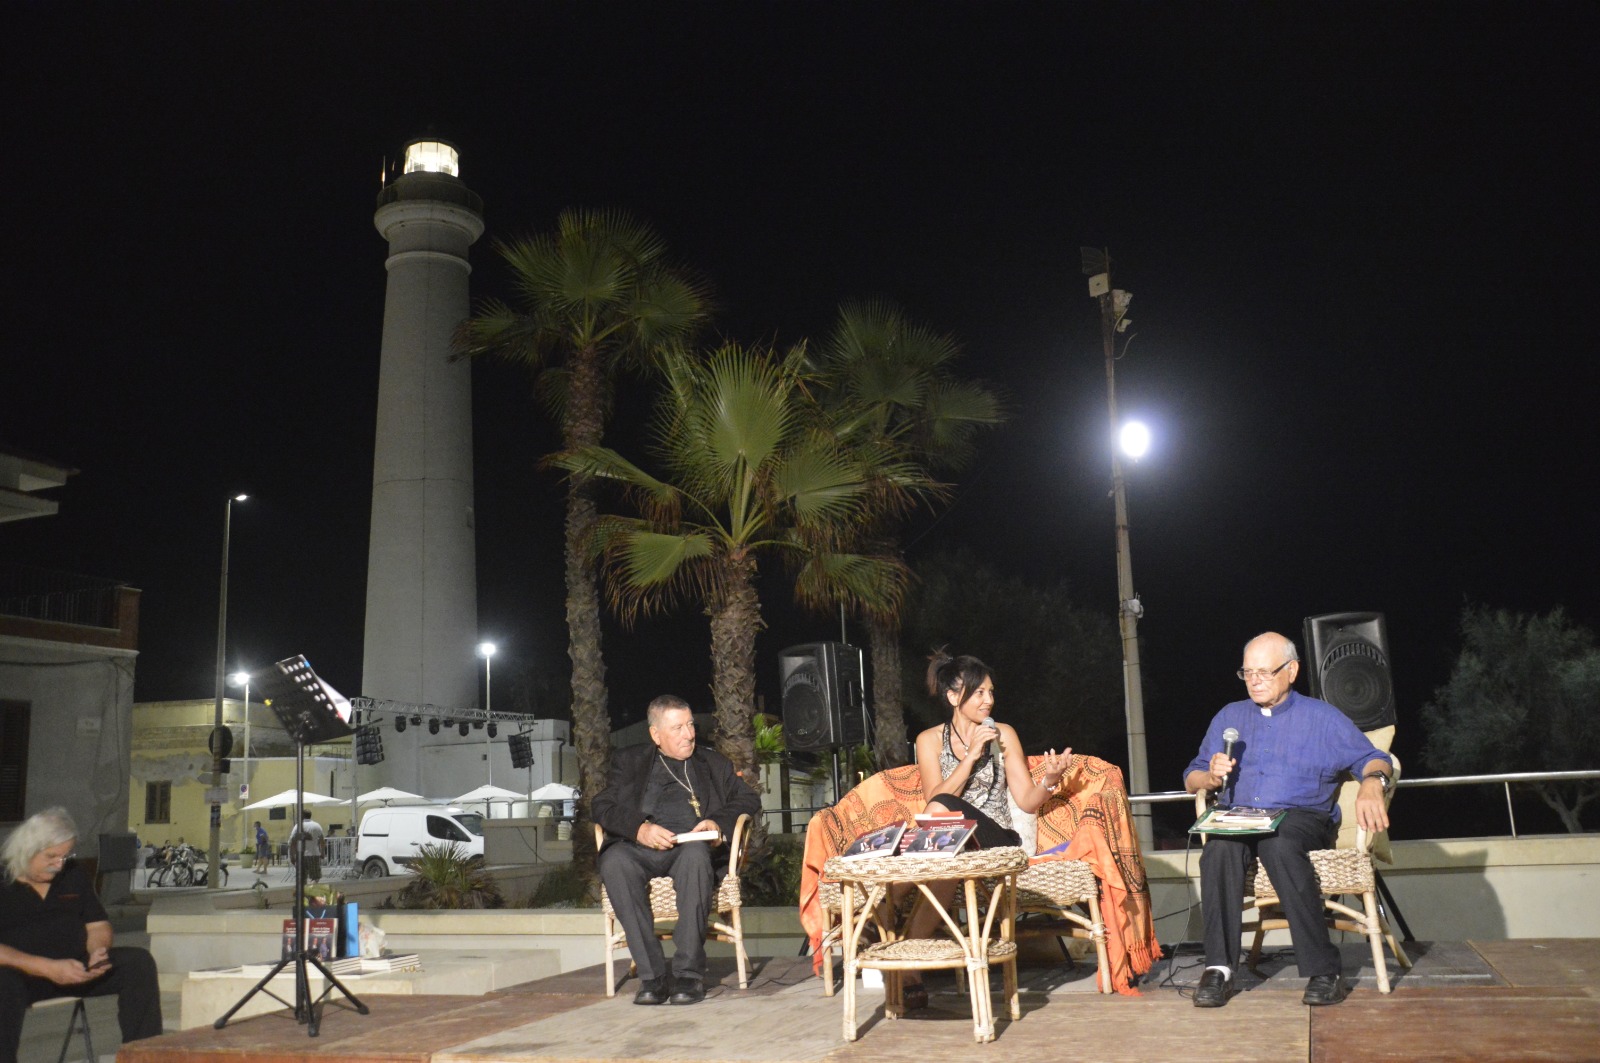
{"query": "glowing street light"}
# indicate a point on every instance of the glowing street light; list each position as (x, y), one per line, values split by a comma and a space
(486, 651)
(1134, 439)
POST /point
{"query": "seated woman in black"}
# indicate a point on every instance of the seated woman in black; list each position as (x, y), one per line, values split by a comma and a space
(55, 937)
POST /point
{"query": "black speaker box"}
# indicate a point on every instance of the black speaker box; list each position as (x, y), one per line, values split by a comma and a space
(1347, 662)
(823, 697)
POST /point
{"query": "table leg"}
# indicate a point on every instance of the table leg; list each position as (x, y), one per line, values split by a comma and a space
(847, 925)
(977, 945)
(1008, 932)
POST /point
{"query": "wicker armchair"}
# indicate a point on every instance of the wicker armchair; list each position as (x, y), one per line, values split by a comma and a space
(1066, 895)
(726, 922)
(1340, 873)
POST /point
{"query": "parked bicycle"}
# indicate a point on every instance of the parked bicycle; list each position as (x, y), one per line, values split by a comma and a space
(184, 865)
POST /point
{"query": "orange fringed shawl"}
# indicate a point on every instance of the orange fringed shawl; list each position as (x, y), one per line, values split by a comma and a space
(1090, 808)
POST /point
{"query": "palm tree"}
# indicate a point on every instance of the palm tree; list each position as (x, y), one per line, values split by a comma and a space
(889, 386)
(748, 470)
(596, 297)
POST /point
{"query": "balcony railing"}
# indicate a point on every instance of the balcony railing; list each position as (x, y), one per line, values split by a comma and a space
(33, 593)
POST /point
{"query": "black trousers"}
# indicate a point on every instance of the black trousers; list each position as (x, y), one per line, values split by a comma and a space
(1283, 854)
(626, 868)
(132, 979)
(988, 834)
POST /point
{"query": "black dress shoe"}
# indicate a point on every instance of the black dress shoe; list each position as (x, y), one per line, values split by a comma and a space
(654, 991)
(1214, 991)
(688, 993)
(1325, 989)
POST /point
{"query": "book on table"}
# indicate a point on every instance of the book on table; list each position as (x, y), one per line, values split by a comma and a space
(1240, 819)
(947, 837)
(883, 841)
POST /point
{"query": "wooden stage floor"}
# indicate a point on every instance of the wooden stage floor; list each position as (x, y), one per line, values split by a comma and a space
(1498, 1000)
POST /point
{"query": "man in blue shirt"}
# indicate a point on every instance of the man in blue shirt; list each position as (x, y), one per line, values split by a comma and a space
(1292, 752)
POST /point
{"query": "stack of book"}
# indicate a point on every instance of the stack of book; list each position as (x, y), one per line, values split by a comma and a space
(930, 834)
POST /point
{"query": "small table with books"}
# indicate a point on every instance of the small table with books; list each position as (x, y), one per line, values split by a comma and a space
(986, 937)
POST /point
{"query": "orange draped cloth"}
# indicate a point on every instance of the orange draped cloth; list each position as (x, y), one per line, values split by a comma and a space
(1090, 808)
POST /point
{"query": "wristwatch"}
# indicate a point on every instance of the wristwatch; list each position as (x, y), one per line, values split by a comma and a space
(1382, 777)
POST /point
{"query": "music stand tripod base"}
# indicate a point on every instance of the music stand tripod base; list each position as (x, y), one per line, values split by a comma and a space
(310, 711)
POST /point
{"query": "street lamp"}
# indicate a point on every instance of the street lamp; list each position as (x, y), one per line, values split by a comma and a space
(1114, 320)
(242, 679)
(221, 738)
(486, 651)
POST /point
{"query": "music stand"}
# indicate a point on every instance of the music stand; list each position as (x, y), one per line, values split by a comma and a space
(311, 711)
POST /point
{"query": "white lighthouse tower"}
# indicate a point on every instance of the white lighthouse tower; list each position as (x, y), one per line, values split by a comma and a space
(422, 602)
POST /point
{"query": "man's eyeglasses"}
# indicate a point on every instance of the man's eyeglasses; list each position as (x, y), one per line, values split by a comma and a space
(1252, 674)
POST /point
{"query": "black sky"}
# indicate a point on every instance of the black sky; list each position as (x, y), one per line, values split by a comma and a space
(1361, 241)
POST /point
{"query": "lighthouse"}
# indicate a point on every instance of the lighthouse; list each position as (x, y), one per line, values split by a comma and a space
(422, 603)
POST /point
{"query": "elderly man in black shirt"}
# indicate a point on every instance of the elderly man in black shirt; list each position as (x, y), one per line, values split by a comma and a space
(55, 937)
(655, 793)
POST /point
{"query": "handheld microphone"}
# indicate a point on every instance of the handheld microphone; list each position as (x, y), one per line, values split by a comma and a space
(1229, 737)
(988, 721)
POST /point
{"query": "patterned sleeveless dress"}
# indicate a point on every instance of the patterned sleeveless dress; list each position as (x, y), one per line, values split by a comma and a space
(986, 786)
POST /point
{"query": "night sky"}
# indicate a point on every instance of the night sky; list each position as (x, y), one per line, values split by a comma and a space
(1361, 241)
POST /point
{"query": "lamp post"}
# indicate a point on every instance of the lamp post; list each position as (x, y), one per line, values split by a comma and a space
(221, 742)
(486, 651)
(1114, 320)
(242, 679)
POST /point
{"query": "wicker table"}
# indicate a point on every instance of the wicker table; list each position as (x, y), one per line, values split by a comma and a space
(969, 946)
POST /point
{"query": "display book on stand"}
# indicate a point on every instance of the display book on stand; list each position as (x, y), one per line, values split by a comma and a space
(930, 834)
(310, 711)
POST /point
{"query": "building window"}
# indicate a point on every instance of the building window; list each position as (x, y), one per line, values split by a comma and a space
(158, 802)
(13, 760)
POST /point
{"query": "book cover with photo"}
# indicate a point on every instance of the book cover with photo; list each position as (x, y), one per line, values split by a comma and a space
(881, 842)
(948, 838)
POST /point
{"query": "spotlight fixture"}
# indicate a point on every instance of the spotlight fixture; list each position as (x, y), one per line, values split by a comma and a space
(433, 725)
(464, 727)
(493, 730)
(477, 725)
(399, 723)
(416, 721)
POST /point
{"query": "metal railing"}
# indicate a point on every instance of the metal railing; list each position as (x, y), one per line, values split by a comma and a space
(1505, 779)
(33, 593)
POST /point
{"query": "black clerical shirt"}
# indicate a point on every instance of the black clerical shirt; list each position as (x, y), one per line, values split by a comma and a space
(666, 801)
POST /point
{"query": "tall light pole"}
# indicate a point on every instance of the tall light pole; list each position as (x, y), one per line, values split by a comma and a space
(221, 741)
(242, 679)
(486, 651)
(1114, 320)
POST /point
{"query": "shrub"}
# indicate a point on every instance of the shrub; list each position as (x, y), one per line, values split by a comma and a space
(447, 878)
(566, 886)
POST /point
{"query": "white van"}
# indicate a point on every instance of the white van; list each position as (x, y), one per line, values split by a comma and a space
(390, 837)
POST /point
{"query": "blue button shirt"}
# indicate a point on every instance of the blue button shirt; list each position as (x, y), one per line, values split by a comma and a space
(1293, 758)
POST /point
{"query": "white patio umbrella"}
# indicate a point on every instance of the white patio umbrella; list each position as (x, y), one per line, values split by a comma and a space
(287, 798)
(553, 791)
(488, 793)
(388, 794)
